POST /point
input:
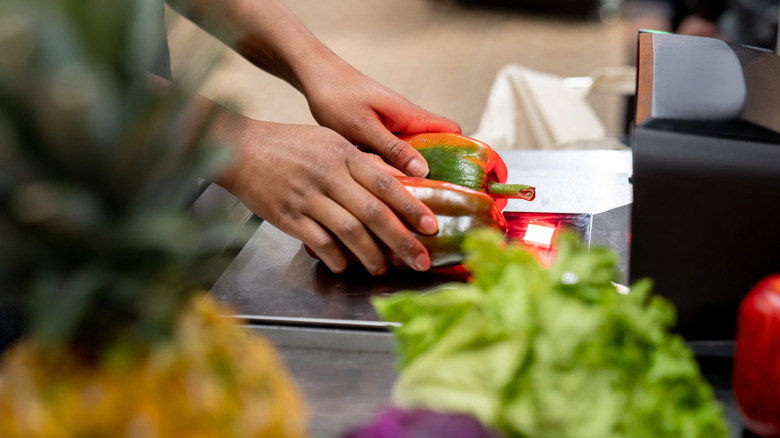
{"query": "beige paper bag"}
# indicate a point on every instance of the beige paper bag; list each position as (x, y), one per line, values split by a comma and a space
(527, 109)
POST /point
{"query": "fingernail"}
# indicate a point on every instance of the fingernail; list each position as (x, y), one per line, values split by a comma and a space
(422, 262)
(381, 272)
(428, 225)
(417, 167)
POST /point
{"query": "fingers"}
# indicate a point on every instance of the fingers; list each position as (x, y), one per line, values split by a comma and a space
(316, 186)
(379, 135)
(383, 204)
(349, 230)
(384, 166)
(370, 115)
(374, 136)
(347, 236)
(400, 116)
(318, 240)
(354, 218)
(357, 213)
(387, 189)
(425, 121)
(396, 152)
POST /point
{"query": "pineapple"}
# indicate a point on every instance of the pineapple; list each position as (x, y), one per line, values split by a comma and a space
(97, 253)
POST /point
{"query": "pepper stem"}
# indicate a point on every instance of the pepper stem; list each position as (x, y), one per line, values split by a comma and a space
(522, 191)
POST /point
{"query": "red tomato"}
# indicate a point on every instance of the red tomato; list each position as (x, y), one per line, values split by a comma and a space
(756, 377)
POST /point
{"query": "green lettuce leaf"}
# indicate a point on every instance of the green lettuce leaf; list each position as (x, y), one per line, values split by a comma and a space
(549, 352)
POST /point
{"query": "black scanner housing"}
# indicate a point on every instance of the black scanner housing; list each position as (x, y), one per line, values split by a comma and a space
(705, 221)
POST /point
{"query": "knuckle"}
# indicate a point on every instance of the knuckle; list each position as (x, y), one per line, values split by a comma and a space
(330, 253)
(396, 150)
(317, 171)
(374, 158)
(350, 229)
(375, 212)
(383, 183)
(323, 244)
(285, 219)
(408, 246)
(336, 144)
(341, 145)
(412, 208)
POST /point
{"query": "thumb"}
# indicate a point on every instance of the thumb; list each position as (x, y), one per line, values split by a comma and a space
(395, 151)
(430, 122)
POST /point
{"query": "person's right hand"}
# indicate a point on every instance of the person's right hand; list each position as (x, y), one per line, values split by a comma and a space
(314, 185)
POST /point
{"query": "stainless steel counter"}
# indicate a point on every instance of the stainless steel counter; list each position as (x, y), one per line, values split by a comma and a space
(273, 281)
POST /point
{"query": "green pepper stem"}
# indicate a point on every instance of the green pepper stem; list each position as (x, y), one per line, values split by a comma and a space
(522, 191)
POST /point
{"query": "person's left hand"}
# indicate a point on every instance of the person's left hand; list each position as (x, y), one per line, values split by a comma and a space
(368, 114)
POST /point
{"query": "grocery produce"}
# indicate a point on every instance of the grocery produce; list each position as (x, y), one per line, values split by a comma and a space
(548, 352)
(756, 375)
(468, 162)
(466, 176)
(457, 210)
(98, 254)
(209, 379)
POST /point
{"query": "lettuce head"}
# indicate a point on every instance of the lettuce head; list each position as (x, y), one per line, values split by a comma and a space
(549, 352)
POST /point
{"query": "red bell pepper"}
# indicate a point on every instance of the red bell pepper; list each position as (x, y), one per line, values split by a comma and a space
(457, 209)
(756, 375)
(468, 162)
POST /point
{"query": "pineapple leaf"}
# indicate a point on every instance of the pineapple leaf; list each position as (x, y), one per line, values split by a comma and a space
(96, 172)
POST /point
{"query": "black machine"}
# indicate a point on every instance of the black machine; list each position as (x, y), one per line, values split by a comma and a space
(706, 176)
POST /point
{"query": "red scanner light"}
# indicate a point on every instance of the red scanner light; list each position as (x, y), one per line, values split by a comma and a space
(539, 234)
(538, 231)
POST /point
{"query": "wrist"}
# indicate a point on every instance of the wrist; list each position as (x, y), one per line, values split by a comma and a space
(319, 79)
(233, 132)
(316, 68)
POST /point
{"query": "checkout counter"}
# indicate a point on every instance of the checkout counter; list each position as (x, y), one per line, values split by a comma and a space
(339, 351)
(653, 205)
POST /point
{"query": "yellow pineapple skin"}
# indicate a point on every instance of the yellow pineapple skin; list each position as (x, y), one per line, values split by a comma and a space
(210, 379)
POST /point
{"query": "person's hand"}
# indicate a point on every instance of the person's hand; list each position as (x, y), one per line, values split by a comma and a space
(363, 111)
(369, 114)
(311, 182)
(316, 186)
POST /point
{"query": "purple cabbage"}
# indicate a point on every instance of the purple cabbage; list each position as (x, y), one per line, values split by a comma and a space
(420, 423)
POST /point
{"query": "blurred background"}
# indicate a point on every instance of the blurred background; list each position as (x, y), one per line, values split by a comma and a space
(441, 54)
